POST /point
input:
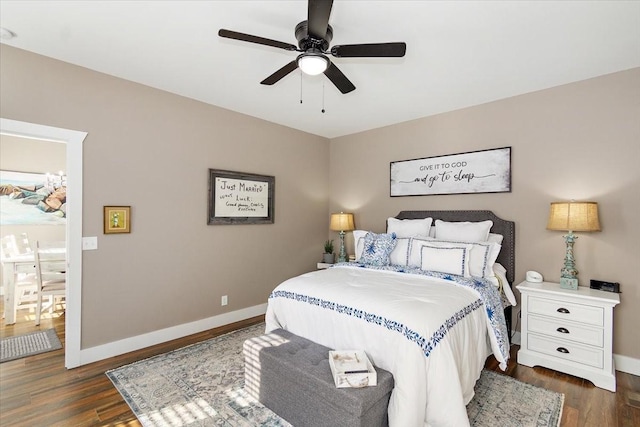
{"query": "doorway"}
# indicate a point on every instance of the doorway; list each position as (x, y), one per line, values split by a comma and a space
(74, 140)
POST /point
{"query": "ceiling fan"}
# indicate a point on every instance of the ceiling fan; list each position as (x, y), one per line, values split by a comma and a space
(314, 36)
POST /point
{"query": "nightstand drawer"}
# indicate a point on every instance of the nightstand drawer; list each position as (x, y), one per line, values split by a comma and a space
(563, 349)
(588, 314)
(566, 330)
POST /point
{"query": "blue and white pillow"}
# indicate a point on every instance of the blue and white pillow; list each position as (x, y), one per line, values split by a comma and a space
(451, 259)
(377, 248)
(482, 255)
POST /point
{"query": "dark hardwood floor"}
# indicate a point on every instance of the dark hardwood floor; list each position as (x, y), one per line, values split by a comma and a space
(39, 391)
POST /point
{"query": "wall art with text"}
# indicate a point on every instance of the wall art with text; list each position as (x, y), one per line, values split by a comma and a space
(240, 198)
(485, 171)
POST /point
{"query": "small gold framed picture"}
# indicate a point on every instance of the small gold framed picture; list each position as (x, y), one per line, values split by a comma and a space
(117, 219)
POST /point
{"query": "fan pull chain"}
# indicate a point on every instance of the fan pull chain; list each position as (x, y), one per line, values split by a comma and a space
(322, 97)
(300, 86)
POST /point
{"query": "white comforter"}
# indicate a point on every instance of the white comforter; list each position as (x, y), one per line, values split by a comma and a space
(431, 334)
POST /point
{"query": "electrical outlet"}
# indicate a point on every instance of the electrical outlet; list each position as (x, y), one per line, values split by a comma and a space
(224, 300)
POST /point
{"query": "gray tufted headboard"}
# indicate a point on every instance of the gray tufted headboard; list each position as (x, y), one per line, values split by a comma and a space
(507, 256)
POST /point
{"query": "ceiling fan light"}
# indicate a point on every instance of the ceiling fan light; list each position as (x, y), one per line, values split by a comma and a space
(313, 64)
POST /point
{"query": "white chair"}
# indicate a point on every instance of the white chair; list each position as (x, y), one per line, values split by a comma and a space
(25, 288)
(13, 246)
(51, 267)
(22, 244)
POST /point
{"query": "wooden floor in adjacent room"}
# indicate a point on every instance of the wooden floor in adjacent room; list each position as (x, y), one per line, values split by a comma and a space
(39, 391)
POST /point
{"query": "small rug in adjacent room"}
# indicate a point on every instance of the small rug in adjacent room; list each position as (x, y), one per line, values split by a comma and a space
(203, 385)
(20, 346)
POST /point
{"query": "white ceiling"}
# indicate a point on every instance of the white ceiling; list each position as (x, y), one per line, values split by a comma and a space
(459, 53)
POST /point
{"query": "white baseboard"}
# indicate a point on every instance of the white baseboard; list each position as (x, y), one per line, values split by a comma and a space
(116, 348)
(625, 364)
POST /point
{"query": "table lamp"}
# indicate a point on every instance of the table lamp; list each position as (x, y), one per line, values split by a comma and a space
(572, 216)
(342, 222)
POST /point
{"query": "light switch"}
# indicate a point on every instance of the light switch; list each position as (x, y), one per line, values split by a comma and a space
(89, 243)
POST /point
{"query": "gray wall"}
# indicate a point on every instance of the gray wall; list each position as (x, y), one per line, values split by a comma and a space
(579, 141)
(152, 150)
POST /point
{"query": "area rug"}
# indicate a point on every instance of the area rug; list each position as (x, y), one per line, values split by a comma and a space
(503, 401)
(202, 385)
(19, 346)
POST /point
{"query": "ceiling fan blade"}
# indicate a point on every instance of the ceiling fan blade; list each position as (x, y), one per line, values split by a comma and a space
(318, 17)
(255, 39)
(372, 50)
(275, 77)
(340, 80)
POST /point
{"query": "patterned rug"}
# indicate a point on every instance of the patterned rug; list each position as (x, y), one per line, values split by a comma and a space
(503, 401)
(12, 348)
(202, 385)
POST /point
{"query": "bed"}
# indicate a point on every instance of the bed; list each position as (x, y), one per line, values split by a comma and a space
(431, 328)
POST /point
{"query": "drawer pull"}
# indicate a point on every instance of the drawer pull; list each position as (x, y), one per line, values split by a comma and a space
(562, 350)
(563, 310)
(563, 330)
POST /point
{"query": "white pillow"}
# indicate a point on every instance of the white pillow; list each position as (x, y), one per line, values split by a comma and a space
(497, 238)
(400, 254)
(463, 231)
(409, 227)
(500, 279)
(415, 251)
(358, 242)
(451, 259)
(482, 255)
(482, 258)
(493, 237)
(499, 270)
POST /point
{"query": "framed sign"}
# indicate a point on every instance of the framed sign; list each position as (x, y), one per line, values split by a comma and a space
(240, 198)
(486, 171)
(117, 219)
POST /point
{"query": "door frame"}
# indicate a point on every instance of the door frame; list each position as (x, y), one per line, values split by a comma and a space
(74, 140)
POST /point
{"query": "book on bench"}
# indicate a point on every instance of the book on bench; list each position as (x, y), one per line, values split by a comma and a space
(352, 368)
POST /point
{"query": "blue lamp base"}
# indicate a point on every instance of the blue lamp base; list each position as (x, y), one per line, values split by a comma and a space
(569, 273)
(342, 256)
(566, 283)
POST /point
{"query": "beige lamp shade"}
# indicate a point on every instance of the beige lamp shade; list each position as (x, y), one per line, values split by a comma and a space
(574, 216)
(342, 222)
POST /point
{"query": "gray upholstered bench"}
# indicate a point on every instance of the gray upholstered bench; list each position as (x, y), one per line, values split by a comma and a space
(291, 376)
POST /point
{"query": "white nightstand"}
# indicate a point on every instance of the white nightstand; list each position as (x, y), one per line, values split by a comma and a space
(323, 265)
(569, 330)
